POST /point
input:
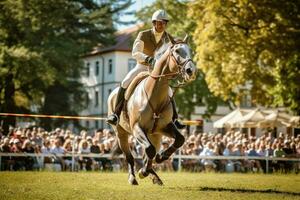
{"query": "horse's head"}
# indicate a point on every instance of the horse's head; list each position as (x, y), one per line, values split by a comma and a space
(180, 53)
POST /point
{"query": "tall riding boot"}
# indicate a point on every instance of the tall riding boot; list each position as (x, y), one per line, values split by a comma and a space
(114, 118)
(175, 116)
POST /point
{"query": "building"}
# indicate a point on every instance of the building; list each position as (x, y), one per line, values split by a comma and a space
(105, 68)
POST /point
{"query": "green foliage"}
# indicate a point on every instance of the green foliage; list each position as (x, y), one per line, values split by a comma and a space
(254, 43)
(287, 91)
(41, 44)
(196, 93)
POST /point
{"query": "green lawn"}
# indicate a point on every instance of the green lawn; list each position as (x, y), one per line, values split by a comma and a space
(97, 185)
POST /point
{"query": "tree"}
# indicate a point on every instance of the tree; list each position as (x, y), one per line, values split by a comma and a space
(40, 47)
(252, 43)
(196, 93)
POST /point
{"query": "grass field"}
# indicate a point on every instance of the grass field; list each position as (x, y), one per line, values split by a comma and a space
(84, 185)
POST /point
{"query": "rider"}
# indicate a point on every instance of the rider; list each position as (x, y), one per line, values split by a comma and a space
(143, 51)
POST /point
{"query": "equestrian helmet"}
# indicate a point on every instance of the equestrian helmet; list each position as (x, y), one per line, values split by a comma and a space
(160, 15)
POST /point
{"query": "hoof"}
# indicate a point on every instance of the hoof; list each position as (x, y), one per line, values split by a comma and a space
(132, 180)
(142, 174)
(157, 181)
(112, 119)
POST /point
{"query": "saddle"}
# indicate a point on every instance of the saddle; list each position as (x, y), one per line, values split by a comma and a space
(141, 76)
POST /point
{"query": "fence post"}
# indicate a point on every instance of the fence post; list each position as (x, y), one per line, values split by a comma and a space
(73, 158)
(179, 160)
(267, 162)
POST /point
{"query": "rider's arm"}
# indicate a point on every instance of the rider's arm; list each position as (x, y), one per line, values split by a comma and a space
(137, 50)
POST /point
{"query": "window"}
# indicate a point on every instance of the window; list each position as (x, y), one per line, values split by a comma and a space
(96, 124)
(97, 68)
(96, 98)
(131, 64)
(88, 69)
(110, 66)
(87, 99)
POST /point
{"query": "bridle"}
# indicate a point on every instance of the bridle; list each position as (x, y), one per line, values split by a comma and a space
(180, 65)
(170, 76)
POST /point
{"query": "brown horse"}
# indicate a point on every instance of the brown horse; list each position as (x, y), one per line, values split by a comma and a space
(150, 111)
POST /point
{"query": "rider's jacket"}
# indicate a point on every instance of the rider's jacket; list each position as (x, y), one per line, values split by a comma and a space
(147, 42)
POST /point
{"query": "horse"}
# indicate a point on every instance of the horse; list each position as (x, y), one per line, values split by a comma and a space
(149, 111)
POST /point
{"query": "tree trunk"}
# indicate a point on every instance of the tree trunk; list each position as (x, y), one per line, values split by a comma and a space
(9, 105)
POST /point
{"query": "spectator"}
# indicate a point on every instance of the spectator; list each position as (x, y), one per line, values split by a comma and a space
(69, 150)
(46, 150)
(36, 138)
(278, 152)
(208, 151)
(254, 164)
(57, 150)
(96, 150)
(29, 160)
(289, 153)
(6, 161)
(263, 152)
(18, 160)
(239, 151)
(84, 162)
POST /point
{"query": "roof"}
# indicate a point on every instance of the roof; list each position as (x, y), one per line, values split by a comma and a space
(123, 38)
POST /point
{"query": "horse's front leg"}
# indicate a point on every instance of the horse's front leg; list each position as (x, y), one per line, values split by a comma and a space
(150, 153)
(123, 143)
(171, 131)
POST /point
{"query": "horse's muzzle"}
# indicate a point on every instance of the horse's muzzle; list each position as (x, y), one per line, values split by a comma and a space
(190, 72)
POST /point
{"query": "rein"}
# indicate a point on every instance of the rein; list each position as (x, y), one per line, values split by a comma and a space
(168, 74)
(157, 114)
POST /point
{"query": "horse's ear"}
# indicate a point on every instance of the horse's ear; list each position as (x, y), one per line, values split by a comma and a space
(186, 38)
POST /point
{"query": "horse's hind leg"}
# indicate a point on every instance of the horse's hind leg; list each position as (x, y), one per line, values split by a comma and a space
(123, 142)
(170, 131)
(150, 152)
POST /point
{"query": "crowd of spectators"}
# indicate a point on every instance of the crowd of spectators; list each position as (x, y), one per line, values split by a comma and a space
(235, 143)
(56, 147)
(52, 145)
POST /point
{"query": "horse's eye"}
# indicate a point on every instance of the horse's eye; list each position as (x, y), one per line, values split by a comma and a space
(177, 51)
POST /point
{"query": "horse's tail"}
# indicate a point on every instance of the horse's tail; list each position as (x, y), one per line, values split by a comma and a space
(116, 150)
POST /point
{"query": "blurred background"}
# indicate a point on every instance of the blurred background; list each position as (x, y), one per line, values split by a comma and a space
(65, 57)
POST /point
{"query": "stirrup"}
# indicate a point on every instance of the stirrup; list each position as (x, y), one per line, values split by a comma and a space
(113, 119)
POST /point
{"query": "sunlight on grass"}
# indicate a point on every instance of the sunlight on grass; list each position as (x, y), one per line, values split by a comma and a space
(84, 185)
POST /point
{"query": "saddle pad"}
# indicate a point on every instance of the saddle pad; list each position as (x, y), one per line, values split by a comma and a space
(134, 83)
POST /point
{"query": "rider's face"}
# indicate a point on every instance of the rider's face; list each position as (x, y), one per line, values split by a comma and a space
(160, 26)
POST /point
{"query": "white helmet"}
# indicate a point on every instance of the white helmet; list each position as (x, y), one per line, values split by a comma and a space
(160, 15)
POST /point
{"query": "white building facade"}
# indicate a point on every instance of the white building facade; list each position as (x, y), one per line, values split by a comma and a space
(104, 69)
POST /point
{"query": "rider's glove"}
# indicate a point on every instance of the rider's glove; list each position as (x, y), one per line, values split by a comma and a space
(150, 60)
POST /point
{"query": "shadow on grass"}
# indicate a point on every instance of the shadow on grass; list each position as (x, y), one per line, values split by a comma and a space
(221, 189)
(272, 191)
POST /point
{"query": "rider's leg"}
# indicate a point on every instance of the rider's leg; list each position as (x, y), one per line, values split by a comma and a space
(175, 115)
(114, 118)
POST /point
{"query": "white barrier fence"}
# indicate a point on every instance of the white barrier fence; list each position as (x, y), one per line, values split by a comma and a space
(179, 157)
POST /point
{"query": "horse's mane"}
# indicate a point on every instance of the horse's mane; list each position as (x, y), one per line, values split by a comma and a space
(160, 51)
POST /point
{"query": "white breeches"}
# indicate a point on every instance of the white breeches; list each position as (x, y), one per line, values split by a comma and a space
(133, 73)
